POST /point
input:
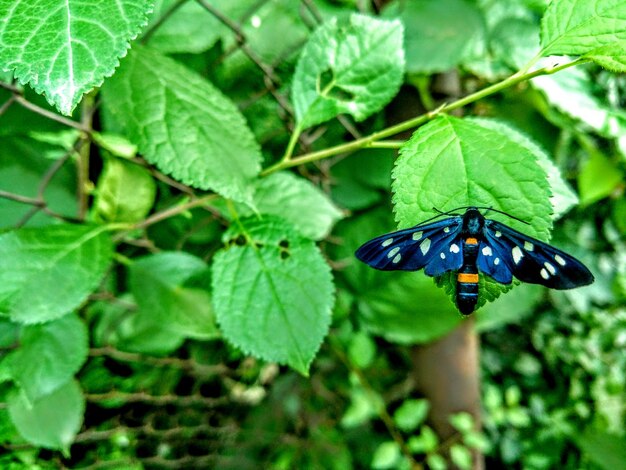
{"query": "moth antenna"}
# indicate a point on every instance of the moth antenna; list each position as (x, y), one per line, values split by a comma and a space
(503, 213)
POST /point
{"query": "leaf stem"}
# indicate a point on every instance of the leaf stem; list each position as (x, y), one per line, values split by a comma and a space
(372, 139)
(293, 140)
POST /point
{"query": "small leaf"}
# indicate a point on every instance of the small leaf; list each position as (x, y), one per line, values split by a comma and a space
(354, 68)
(65, 48)
(297, 201)
(362, 350)
(273, 292)
(125, 192)
(46, 273)
(158, 284)
(577, 27)
(411, 414)
(606, 450)
(52, 421)
(386, 455)
(49, 355)
(461, 456)
(462, 422)
(183, 124)
(424, 443)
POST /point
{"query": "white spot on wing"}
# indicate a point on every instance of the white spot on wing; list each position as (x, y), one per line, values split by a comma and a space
(559, 260)
(446, 229)
(425, 245)
(387, 242)
(397, 258)
(496, 261)
(454, 248)
(487, 251)
(544, 274)
(498, 233)
(393, 252)
(550, 268)
(528, 246)
(417, 235)
(517, 254)
(442, 255)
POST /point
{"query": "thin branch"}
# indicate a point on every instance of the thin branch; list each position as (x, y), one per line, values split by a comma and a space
(49, 114)
(367, 141)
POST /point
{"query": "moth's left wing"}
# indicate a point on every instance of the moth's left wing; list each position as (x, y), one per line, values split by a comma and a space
(425, 245)
(505, 251)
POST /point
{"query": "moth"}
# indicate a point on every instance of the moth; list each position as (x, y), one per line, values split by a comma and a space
(471, 244)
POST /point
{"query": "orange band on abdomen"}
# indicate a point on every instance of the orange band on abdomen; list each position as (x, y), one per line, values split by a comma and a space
(471, 241)
(465, 277)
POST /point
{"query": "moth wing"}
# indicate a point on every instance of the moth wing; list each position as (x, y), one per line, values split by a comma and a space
(415, 248)
(531, 260)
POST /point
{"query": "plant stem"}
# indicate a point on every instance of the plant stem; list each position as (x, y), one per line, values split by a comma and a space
(371, 140)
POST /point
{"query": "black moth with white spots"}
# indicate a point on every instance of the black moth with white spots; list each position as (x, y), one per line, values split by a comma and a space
(470, 244)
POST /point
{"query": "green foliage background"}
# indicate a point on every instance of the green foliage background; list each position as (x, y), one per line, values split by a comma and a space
(182, 188)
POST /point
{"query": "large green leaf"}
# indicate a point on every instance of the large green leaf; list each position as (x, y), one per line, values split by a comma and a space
(577, 27)
(52, 421)
(297, 201)
(158, 282)
(64, 48)
(273, 292)
(353, 68)
(46, 273)
(459, 162)
(183, 124)
(439, 34)
(456, 163)
(49, 355)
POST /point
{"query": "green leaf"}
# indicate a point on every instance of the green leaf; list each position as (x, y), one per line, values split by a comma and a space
(577, 27)
(158, 284)
(46, 273)
(65, 48)
(125, 192)
(49, 355)
(462, 422)
(411, 414)
(439, 35)
(362, 350)
(355, 68)
(273, 294)
(387, 455)
(52, 421)
(459, 162)
(183, 125)
(461, 456)
(296, 200)
(611, 57)
(426, 442)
